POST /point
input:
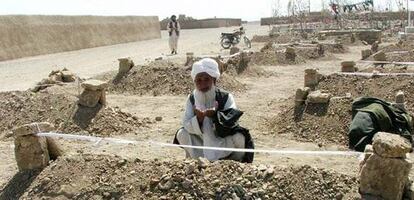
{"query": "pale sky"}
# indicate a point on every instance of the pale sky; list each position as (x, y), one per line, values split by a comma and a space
(246, 9)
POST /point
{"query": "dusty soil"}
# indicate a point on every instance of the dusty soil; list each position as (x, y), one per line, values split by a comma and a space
(273, 54)
(274, 58)
(397, 52)
(330, 123)
(60, 108)
(389, 69)
(115, 177)
(314, 123)
(381, 87)
(282, 38)
(156, 81)
(91, 171)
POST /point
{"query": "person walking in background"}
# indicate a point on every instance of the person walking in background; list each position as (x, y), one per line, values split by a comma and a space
(173, 28)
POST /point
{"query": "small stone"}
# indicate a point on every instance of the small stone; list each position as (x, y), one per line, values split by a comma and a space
(366, 53)
(390, 145)
(94, 85)
(167, 186)
(380, 56)
(318, 97)
(158, 119)
(203, 162)
(312, 78)
(190, 169)
(68, 76)
(400, 97)
(348, 66)
(301, 95)
(125, 64)
(187, 184)
(90, 98)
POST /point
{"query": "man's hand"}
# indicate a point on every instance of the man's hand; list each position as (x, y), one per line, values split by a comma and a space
(200, 115)
(210, 112)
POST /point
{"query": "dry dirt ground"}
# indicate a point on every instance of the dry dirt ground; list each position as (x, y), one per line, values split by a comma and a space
(261, 101)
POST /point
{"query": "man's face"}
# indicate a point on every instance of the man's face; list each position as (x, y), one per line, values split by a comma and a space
(173, 18)
(204, 82)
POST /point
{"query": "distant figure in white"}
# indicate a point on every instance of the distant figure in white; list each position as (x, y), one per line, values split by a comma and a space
(173, 28)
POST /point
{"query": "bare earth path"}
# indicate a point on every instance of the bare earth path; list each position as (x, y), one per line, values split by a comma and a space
(22, 73)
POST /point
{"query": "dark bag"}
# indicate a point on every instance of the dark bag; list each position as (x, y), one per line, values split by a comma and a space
(371, 115)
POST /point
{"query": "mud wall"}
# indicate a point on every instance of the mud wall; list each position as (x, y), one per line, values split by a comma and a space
(30, 35)
(205, 23)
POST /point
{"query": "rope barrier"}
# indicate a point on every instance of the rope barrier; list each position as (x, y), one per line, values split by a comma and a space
(98, 140)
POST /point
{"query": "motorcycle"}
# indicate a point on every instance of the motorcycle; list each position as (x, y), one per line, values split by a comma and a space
(232, 39)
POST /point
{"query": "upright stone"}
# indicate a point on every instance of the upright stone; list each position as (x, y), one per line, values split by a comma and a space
(31, 151)
(311, 78)
(384, 173)
(390, 145)
(318, 97)
(348, 66)
(125, 64)
(190, 59)
(353, 38)
(290, 53)
(301, 95)
(380, 56)
(400, 100)
(375, 47)
(94, 92)
(400, 97)
(384, 177)
(366, 53)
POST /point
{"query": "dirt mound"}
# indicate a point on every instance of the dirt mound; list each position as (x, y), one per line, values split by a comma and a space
(113, 177)
(274, 54)
(335, 47)
(164, 81)
(238, 66)
(314, 123)
(397, 56)
(274, 58)
(389, 69)
(402, 52)
(404, 46)
(381, 87)
(278, 38)
(61, 109)
(330, 124)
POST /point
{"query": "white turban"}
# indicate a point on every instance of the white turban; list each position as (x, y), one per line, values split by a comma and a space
(206, 65)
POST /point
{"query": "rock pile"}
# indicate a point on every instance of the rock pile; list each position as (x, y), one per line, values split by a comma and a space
(55, 77)
(109, 176)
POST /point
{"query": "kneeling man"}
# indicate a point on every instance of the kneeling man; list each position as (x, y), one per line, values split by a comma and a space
(211, 117)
